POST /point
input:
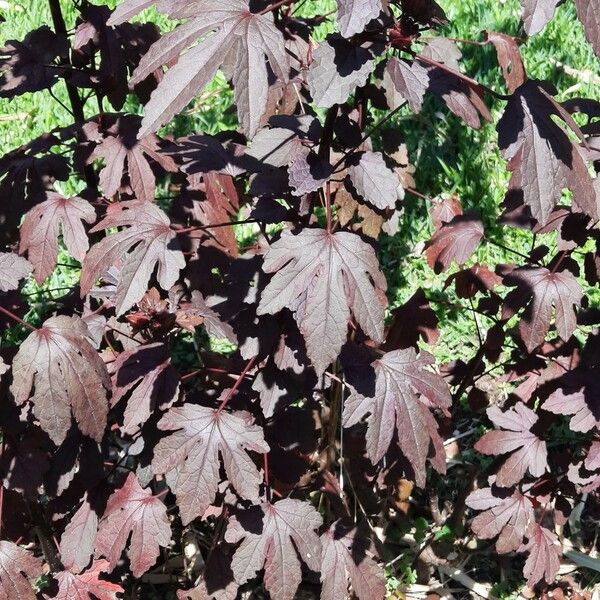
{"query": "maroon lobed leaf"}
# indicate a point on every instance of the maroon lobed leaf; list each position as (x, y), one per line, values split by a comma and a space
(338, 68)
(578, 396)
(507, 517)
(272, 536)
(147, 370)
(148, 241)
(405, 392)
(18, 568)
(133, 510)
(509, 57)
(545, 554)
(537, 14)
(13, 268)
(373, 180)
(353, 15)
(588, 12)
(67, 375)
(550, 292)
(542, 158)
(239, 38)
(529, 453)
(345, 558)
(190, 456)
(455, 240)
(77, 541)
(88, 585)
(121, 146)
(27, 66)
(324, 278)
(41, 228)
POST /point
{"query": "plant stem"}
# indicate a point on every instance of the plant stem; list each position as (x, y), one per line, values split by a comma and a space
(17, 319)
(75, 100)
(237, 384)
(275, 6)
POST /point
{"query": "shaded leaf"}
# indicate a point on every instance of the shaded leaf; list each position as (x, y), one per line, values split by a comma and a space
(545, 554)
(405, 392)
(18, 568)
(373, 180)
(455, 241)
(147, 241)
(345, 558)
(27, 66)
(308, 173)
(338, 68)
(507, 517)
(240, 38)
(121, 147)
(190, 456)
(42, 226)
(528, 452)
(353, 15)
(147, 370)
(88, 585)
(267, 532)
(325, 278)
(67, 375)
(542, 158)
(133, 511)
(13, 268)
(557, 293)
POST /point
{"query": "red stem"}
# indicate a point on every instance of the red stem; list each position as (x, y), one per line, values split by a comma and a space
(266, 469)
(17, 319)
(275, 6)
(237, 384)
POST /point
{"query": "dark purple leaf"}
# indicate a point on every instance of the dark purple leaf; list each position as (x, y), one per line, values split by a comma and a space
(273, 536)
(133, 511)
(325, 278)
(61, 365)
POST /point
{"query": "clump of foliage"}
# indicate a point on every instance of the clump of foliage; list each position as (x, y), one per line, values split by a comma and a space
(223, 398)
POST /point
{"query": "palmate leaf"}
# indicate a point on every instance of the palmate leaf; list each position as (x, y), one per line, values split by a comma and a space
(42, 226)
(77, 541)
(13, 268)
(353, 15)
(558, 293)
(588, 12)
(542, 158)
(87, 585)
(132, 510)
(239, 38)
(373, 179)
(507, 516)
(537, 14)
(345, 558)
(338, 68)
(148, 241)
(405, 390)
(147, 370)
(325, 278)
(27, 66)
(120, 147)
(67, 375)
(272, 536)
(190, 456)
(545, 554)
(454, 241)
(528, 451)
(18, 569)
